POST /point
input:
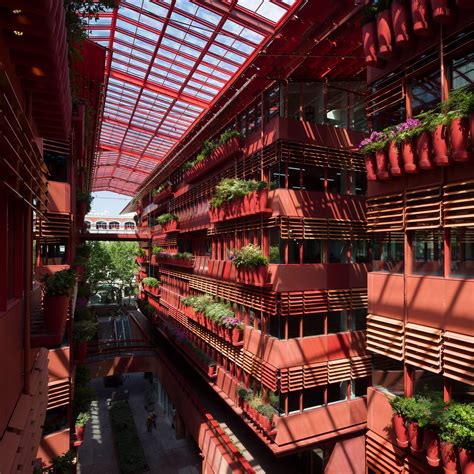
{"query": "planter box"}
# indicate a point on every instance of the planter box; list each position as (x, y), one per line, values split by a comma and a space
(141, 260)
(55, 313)
(165, 194)
(250, 205)
(256, 276)
(177, 262)
(170, 227)
(218, 156)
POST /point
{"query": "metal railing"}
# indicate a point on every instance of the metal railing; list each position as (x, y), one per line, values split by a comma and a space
(112, 231)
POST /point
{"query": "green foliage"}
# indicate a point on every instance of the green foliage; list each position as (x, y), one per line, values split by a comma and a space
(242, 391)
(184, 255)
(77, 14)
(160, 188)
(83, 418)
(370, 12)
(266, 410)
(130, 455)
(83, 396)
(230, 188)
(461, 102)
(228, 135)
(151, 281)
(82, 196)
(457, 424)
(165, 218)
(249, 256)
(274, 254)
(83, 313)
(83, 252)
(156, 250)
(84, 330)
(60, 283)
(98, 266)
(62, 464)
(140, 252)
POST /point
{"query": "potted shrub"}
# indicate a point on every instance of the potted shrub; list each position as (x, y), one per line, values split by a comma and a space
(457, 431)
(169, 222)
(83, 332)
(369, 35)
(241, 393)
(266, 418)
(140, 255)
(375, 144)
(57, 291)
(406, 134)
(152, 285)
(384, 28)
(81, 421)
(399, 420)
(417, 413)
(400, 22)
(437, 124)
(461, 117)
(251, 258)
(420, 17)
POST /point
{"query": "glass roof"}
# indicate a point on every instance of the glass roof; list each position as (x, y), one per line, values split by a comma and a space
(167, 62)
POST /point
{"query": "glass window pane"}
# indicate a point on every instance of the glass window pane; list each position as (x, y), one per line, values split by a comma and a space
(313, 324)
(277, 327)
(294, 177)
(313, 102)
(427, 251)
(293, 402)
(337, 392)
(313, 397)
(425, 92)
(360, 251)
(337, 321)
(388, 254)
(272, 103)
(312, 251)
(294, 100)
(337, 251)
(336, 113)
(337, 181)
(359, 319)
(463, 71)
(462, 252)
(359, 387)
(294, 327)
(293, 251)
(313, 179)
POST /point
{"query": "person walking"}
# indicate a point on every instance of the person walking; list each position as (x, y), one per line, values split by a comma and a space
(153, 419)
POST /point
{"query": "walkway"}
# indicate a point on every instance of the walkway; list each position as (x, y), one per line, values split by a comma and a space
(164, 454)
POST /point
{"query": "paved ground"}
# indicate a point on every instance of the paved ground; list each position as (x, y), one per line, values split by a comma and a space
(164, 454)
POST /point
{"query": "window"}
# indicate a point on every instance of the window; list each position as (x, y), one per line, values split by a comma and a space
(388, 374)
(312, 251)
(358, 183)
(114, 225)
(360, 251)
(337, 321)
(337, 392)
(294, 95)
(313, 178)
(337, 181)
(313, 397)
(277, 176)
(337, 104)
(293, 251)
(388, 254)
(313, 102)
(425, 92)
(277, 246)
(129, 225)
(462, 252)
(101, 225)
(53, 254)
(359, 387)
(427, 251)
(294, 178)
(57, 164)
(88, 224)
(313, 324)
(293, 402)
(276, 327)
(337, 251)
(359, 319)
(56, 420)
(463, 71)
(293, 327)
(272, 103)
(357, 111)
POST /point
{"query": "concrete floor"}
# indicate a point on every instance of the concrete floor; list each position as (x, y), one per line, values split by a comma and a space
(164, 454)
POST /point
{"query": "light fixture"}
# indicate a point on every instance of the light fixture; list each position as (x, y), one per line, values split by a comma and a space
(16, 11)
(18, 33)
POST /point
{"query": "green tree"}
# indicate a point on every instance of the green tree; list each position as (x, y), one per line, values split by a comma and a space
(99, 266)
(123, 266)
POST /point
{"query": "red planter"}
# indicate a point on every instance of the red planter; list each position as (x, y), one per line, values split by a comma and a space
(423, 150)
(409, 157)
(369, 41)
(400, 23)
(394, 159)
(81, 351)
(236, 335)
(448, 455)
(459, 137)
(401, 434)
(466, 460)
(370, 167)
(440, 146)
(262, 197)
(384, 34)
(228, 335)
(415, 435)
(420, 16)
(80, 433)
(55, 313)
(382, 165)
(441, 11)
(432, 448)
(266, 424)
(211, 371)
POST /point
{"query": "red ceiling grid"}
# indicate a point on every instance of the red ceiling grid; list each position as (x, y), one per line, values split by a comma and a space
(167, 62)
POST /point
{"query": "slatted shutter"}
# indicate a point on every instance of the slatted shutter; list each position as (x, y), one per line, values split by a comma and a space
(423, 209)
(382, 456)
(385, 213)
(458, 357)
(458, 204)
(339, 370)
(423, 347)
(361, 366)
(385, 336)
(315, 375)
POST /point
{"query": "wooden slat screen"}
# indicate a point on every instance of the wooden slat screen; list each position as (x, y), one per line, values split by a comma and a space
(361, 366)
(383, 457)
(423, 209)
(58, 393)
(385, 213)
(55, 228)
(423, 347)
(339, 370)
(315, 375)
(385, 336)
(458, 204)
(458, 357)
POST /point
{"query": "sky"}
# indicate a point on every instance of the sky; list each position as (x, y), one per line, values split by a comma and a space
(112, 203)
